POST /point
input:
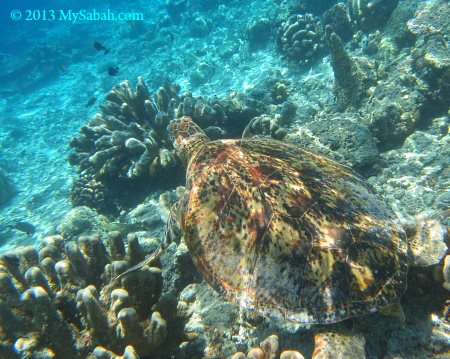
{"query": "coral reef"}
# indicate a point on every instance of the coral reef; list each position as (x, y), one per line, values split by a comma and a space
(413, 179)
(127, 143)
(342, 138)
(266, 126)
(337, 18)
(430, 57)
(301, 39)
(268, 349)
(352, 76)
(370, 14)
(7, 189)
(65, 301)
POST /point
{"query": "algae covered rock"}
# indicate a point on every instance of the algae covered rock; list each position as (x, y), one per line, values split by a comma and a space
(368, 15)
(353, 76)
(343, 138)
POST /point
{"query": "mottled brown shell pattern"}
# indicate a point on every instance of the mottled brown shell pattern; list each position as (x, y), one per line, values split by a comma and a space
(289, 233)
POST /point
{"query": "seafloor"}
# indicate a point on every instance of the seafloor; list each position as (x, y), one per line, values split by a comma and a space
(87, 181)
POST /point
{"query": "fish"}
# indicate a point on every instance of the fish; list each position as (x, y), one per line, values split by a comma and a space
(91, 101)
(25, 227)
(99, 47)
(113, 70)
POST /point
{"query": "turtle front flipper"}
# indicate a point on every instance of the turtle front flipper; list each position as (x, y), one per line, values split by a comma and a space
(337, 344)
(172, 230)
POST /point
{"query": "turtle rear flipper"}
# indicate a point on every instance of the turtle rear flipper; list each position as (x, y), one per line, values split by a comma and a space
(426, 240)
(337, 344)
(395, 311)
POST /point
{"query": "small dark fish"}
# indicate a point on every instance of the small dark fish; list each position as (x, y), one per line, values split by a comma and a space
(99, 47)
(91, 101)
(112, 71)
(26, 227)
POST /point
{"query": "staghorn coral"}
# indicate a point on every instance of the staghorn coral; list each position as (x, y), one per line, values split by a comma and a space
(368, 15)
(65, 301)
(301, 39)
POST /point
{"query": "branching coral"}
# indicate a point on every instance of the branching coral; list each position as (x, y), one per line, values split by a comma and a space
(65, 301)
(126, 142)
(301, 39)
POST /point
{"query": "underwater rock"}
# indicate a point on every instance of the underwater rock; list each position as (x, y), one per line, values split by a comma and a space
(201, 74)
(7, 190)
(342, 138)
(431, 57)
(259, 33)
(352, 75)
(200, 26)
(337, 18)
(396, 28)
(82, 220)
(415, 178)
(68, 301)
(368, 15)
(301, 39)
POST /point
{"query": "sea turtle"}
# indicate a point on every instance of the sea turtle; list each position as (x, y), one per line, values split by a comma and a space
(287, 232)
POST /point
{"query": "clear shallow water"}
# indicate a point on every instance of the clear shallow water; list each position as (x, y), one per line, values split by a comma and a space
(53, 81)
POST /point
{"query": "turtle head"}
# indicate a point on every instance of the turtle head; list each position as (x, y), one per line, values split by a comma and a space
(187, 137)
